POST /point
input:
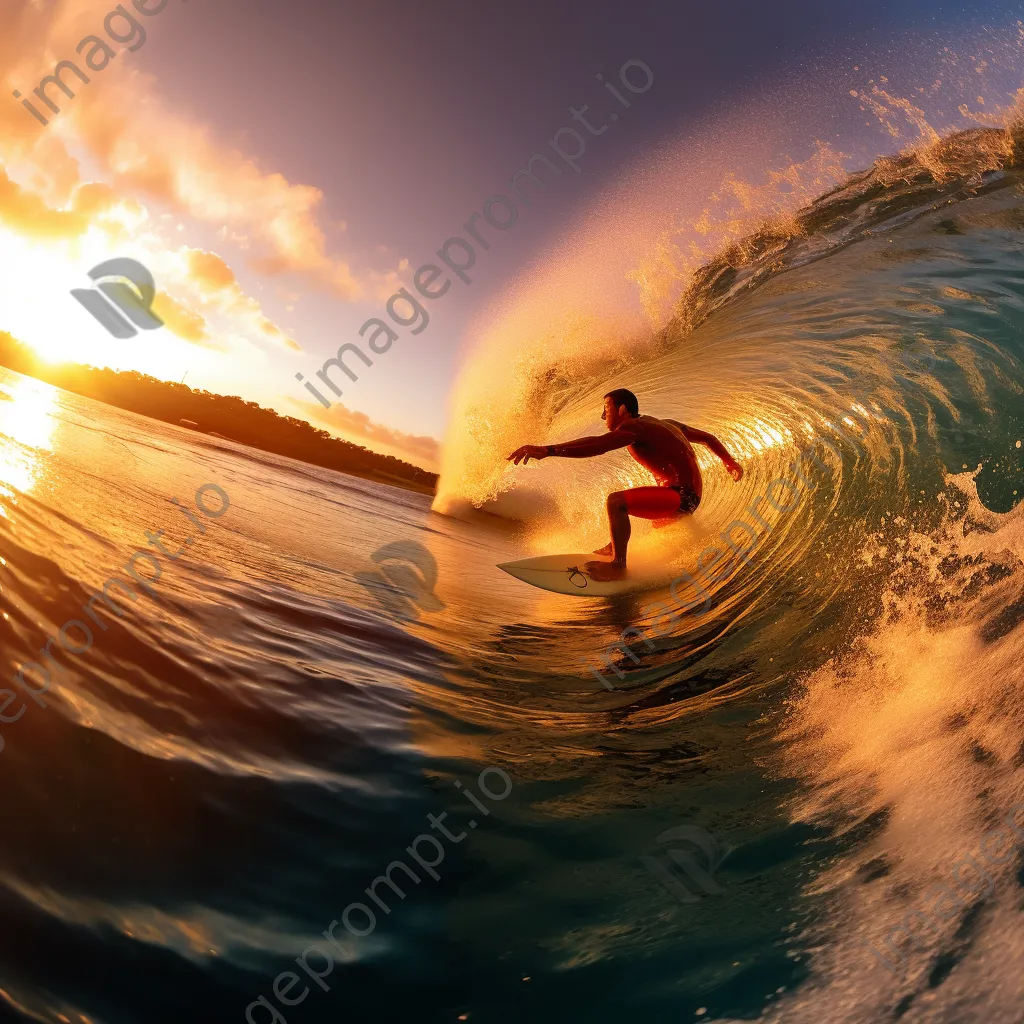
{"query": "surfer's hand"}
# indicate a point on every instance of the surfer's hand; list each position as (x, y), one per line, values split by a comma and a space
(527, 452)
(735, 471)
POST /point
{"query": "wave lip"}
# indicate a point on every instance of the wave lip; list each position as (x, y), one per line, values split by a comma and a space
(891, 193)
(549, 388)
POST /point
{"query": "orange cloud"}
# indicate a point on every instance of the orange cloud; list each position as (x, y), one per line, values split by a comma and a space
(144, 147)
(183, 320)
(216, 281)
(268, 327)
(28, 213)
(357, 425)
(209, 270)
(140, 145)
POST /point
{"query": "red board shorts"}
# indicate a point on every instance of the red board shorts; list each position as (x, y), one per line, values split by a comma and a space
(660, 502)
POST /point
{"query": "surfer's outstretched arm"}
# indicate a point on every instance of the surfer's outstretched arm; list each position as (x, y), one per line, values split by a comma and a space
(695, 436)
(581, 448)
(585, 447)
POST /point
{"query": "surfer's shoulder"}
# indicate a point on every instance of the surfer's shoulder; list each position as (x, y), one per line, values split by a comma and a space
(639, 424)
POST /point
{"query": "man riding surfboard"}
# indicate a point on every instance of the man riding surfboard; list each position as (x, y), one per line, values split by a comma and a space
(663, 447)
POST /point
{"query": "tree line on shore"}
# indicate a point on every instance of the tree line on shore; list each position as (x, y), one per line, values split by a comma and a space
(231, 417)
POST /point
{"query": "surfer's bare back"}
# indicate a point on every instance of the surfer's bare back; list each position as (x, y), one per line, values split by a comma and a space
(664, 447)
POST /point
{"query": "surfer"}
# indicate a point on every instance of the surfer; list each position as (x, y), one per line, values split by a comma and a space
(663, 447)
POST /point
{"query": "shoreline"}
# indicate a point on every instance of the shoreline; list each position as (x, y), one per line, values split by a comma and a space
(335, 453)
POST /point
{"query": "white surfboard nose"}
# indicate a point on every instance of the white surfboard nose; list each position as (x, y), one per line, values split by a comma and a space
(564, 574)
(512, 568)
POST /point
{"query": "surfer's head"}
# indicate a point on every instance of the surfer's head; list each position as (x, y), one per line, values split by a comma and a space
(619, 405)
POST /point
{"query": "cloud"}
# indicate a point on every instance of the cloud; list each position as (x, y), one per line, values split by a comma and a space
(184, 321)
(357, 425)
(179, 164)
(140, 145)
(209, 270)
(219, 289)
(28, 214)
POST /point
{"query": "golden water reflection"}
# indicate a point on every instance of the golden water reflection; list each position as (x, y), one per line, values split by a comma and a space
(27, 426)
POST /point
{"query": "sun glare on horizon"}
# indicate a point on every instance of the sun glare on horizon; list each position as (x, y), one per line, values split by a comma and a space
(41, 313)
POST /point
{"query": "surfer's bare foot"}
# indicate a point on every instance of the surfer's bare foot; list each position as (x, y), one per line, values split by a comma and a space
(605, 572)
(606, 550)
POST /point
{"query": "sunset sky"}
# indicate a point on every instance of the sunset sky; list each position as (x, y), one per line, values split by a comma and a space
(282, 168)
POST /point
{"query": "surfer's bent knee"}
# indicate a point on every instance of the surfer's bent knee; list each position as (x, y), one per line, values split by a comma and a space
(617, 502)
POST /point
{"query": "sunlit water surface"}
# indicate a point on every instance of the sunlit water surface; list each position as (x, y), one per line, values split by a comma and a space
(235, 759)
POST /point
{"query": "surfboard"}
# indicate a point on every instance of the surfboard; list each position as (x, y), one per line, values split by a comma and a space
(564, 574)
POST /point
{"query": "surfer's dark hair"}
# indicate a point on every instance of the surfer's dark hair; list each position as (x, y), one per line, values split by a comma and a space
(622, 396)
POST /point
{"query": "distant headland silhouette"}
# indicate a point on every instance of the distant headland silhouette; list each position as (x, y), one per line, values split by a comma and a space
(228, 417)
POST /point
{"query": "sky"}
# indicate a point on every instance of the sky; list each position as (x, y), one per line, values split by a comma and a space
(283, 169)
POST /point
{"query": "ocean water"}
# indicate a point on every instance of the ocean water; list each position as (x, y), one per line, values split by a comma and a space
(720, 825)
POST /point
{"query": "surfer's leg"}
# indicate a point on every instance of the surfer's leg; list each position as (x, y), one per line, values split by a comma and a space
(645, 502)
(618, 522)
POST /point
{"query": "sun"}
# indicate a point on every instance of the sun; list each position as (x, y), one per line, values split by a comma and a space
(38, 309)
